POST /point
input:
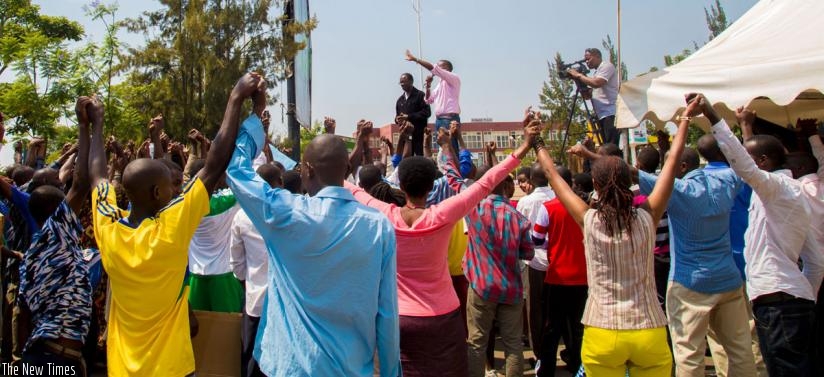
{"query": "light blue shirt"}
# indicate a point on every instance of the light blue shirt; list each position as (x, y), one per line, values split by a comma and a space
(699, 216)
(332, 299)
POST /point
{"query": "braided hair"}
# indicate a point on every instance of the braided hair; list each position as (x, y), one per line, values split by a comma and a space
(611, 177)
(385, 193)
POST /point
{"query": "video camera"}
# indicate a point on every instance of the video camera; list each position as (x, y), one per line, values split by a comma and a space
(579, 66)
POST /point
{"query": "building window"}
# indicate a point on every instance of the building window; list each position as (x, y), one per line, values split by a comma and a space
(473, 141)
(502, 141)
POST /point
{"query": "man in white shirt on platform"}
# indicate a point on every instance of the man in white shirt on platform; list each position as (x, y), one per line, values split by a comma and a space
(249, 260)
(779, 234)
(530, 206)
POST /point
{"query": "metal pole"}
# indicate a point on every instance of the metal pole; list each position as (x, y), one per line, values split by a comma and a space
(416, 5)
(292, 125)
(620, 78)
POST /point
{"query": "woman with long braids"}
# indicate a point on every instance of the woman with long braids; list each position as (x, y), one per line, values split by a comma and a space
(624, 324)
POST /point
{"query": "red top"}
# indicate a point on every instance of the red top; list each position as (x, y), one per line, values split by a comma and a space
(565, 245)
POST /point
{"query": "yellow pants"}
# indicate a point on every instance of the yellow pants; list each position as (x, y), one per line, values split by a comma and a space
(608, 353)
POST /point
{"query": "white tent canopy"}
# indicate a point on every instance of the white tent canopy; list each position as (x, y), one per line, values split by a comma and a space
(771, 59)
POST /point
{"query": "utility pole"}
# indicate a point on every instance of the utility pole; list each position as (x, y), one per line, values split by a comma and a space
(416, 5)
(292, 126)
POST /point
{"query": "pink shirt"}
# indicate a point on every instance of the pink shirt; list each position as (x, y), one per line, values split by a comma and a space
(424, 285)
(446, 93)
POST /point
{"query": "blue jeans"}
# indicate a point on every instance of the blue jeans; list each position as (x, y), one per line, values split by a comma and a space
(443, 121)
(785, 334)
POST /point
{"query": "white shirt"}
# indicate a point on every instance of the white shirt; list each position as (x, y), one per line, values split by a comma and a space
(249, 259)
(209, 248)
(603, 98)
(530, 206)
(780, 229)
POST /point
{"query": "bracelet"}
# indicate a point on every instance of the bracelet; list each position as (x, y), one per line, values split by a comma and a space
(683, 117)
(538, 143)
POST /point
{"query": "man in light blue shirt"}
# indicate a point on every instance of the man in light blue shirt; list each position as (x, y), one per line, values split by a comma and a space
(332, 298)
(706, 290)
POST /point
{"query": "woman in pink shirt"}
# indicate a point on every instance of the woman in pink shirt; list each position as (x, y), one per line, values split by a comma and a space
(433, 341)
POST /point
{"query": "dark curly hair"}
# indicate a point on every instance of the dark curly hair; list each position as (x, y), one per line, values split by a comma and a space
(385, 193)
(611, 177)
(417, 176)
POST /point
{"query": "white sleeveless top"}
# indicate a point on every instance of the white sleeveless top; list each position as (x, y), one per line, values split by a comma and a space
(621, 276)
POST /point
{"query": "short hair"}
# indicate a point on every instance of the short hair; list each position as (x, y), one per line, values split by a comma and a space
(409, 76)
(292, 182)
(385, 193)
(43, 201)
(593, 51)
(417, 176)
(448, 64)
(565, 174)
(584, 181)
(369, 176)
(196, 166)
(538, 176)
(279, 166)
(708, 148)
(691, 158)
(648, 159)
(610, 149)
(525, 170)
(802, 162)
(769, 146)
(171, 165)
(21, 175)
(271, 174)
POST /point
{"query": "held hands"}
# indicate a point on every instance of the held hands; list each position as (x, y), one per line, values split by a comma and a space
(194, 135)
(695, 105)
(329, 125)
(746, 116)
(443, 137)
(364, 129)
(406, 129)
(80, 109)
(401, 119)
(491, 147)
(454, 129)
(156, 125)
(247, 85)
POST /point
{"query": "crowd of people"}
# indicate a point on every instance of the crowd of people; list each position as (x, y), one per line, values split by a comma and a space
(414, 264)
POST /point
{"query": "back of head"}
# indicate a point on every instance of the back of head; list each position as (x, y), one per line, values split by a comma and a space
(448, 64)
(369, 176)
(385, 193)
(801, 164)
(583, 182)
(328, 162)
(417, 176)
(708, 148)
(292, 182)
(279, 166)
(537, 176)
(691, 159)
(271, 174)
(648, 159)
(21, 175)
(43, 201)
(769, 146)
(565, 173)
(609, 149)
(196, 166)
(145, 182)
(612, 179)
(45, 177)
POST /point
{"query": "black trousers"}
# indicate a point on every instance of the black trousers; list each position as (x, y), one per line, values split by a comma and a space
(611, 134)
(564, 309)
(248, 364)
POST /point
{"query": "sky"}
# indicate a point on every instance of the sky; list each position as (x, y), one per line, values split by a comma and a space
(499, 49)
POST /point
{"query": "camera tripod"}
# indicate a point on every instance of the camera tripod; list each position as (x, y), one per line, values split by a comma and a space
(591, 118)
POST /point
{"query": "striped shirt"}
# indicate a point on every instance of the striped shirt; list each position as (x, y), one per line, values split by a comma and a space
(498, 238)
(54, 280)
(621, 277)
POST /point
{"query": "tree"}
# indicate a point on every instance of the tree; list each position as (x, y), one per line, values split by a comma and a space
(195, 51)
(716, 19)
(556, 99)
(613, 57)
(20, 21)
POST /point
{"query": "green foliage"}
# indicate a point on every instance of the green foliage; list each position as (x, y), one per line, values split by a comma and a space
(613, 57)
(195, 51)
(556, 99)
(21, 23)
(716, 19)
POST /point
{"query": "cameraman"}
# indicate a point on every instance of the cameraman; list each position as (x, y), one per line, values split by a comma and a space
(605, 91)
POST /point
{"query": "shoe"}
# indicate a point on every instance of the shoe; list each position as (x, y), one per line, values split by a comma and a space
(491, 373)
(537, 366)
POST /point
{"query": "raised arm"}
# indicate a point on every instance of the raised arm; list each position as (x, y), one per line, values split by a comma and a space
(155, 128)
(250, 85)
(746, 119)
(79, 191)
(427, 142)
(97, 153)
(454, 208)
(659, 197)
(423, 63)
(358, 154)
